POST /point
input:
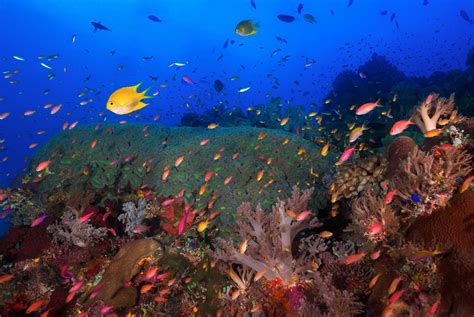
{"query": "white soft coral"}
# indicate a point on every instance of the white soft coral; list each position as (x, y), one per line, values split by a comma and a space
(428, 113)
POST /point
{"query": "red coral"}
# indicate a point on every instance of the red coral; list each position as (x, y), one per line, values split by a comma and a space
(171, 215)
(21, 243)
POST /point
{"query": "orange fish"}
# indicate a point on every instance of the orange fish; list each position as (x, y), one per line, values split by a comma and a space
(303, 215)
(56, 109)
(35, 306)
(260, 175)
(202, 189)
(367, 107)
(204, 142)
(400, 126)
(208, 176)
(235, 155)
(284, 121)
(178, 161)
(325, 234)
(29, 112)
(5, 278)
(262, 135)
(151, 273)
(4, 115)
(166, 173)
(354, 258)
(160, 299)
(243, 246)
(259, 275)
(145, 288)
(42, 166)
(389, 197)
(325, 149)
(374, 229)
(432, 133)
(235, 294)
(93, 144)
(227, 180)
(217, 156)
(374, 280)
(394, 285)
(256, 308)
(465, 185)
(212, 126)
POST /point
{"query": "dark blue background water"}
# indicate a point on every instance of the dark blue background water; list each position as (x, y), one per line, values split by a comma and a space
(429, 38)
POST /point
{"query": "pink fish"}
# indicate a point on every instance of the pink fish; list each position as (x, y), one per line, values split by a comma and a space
(162, 276)
(64, 272)
(354, 258)
(303, 215)
(389, 197)
(106, 215)
(396, 296)
(208, 176)
(97, 290)
(367, 107)
(346, 154)
(140, 228)
(106, 309)
(86, 217)
(400, 126)
(167, 202)
(188, 80)
(151, 273)
(227, 180)
(434, 307)
(112, 231)
(76, 286)
(39, 220)
(182, 222)
(374, 229)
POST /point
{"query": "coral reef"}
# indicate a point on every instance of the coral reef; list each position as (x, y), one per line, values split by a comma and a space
(71, 231)
(268, 249)
(132, 215)
(352, 179)
(431, 111)
(123, 267)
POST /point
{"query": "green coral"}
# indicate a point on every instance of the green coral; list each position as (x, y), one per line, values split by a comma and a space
(127, 157)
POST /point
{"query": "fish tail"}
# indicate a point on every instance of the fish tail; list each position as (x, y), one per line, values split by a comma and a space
(143, 93)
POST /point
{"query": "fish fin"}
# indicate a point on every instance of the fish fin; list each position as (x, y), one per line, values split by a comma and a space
(139, 106)
(137, 85)
(143, 93)
(253, 32)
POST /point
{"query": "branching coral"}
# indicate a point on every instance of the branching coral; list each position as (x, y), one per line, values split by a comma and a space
(370, 212)
(270, 237)
(429, 112)
(71, 231)
(133, 215)
(427, 181)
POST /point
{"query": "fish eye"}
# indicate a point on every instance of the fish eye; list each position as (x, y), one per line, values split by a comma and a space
(111, 103)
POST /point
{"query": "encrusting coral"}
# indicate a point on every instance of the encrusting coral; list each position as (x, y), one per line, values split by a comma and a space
(352, 179)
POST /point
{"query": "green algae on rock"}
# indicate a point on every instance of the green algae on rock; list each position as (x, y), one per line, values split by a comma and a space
(119, 159)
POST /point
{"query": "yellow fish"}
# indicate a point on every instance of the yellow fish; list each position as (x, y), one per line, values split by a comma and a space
(246, 28)
(202, 225)
(127, 100)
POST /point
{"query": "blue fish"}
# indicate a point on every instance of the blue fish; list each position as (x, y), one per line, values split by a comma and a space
(300, 8)
(253, 4)
(415, 198)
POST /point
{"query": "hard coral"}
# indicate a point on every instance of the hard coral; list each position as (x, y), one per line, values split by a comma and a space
(398, 151)
(270, 238)
(123, 267)
(351, 179)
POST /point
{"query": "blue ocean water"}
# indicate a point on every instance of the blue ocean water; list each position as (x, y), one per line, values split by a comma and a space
(419, 37)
